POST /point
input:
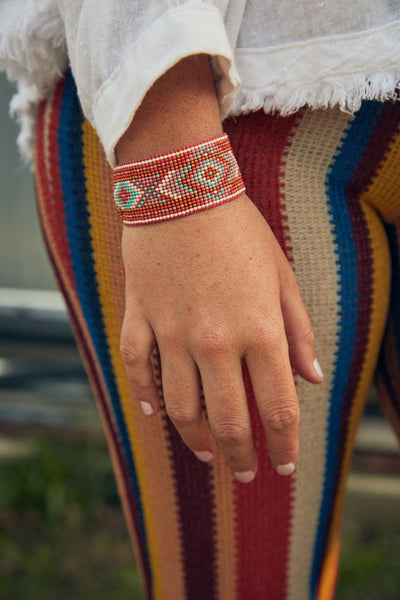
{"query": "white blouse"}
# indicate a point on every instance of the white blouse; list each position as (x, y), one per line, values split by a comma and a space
(272, 54)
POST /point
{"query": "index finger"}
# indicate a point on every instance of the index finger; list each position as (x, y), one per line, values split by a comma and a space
(275, 394)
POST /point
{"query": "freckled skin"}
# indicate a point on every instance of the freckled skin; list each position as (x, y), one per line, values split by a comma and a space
(189, 289)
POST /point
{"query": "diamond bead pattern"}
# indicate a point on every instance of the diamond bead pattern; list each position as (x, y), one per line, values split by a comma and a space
(178, 183)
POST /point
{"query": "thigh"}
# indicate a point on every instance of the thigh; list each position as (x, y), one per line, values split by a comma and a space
(309, 174)
(197, 532)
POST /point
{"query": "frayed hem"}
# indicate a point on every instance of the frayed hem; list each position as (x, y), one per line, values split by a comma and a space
(33, 54)
(346, 94)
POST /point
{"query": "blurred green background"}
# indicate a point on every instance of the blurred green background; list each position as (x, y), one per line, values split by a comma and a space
(62, 534)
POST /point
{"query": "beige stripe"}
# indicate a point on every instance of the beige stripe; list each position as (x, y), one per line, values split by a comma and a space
(147, 436)
(46, 150)
(312, 244)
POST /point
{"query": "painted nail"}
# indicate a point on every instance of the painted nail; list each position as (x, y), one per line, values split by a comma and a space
(287, 469)
(147, 408)
(245, 476)
(317, 368)
(204, 456)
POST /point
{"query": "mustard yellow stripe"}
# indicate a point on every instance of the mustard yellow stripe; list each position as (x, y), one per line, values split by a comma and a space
(327, 584)
(380, 300)
(147, 436)
(108, 296)
(384, 191)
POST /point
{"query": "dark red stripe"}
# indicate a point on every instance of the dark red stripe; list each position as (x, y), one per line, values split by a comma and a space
(51, 178)
(260, 143)
(51, 212)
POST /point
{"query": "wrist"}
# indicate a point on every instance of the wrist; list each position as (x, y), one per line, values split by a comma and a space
(176, 184)
(181, 109)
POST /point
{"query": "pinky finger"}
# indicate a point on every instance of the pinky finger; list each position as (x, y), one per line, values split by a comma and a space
(137, 343)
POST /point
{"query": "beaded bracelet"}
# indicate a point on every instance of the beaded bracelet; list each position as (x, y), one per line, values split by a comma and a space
(178, 183)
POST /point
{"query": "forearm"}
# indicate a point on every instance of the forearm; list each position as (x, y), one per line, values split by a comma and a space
(180, 109)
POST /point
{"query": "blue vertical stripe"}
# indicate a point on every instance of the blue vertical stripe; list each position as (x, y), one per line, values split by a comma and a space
(341, 172)
(78, 230)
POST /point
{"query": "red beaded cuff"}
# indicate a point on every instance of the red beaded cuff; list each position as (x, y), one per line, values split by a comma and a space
(178, 183)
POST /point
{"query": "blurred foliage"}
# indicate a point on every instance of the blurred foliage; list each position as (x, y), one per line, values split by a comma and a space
(370, 569)
(370, 556)
(62, 533)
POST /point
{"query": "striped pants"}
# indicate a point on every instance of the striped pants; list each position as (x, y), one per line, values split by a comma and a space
(329, 186)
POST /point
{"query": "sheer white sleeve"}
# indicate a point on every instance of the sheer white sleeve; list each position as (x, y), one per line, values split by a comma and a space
(33, 55)
(118, 48)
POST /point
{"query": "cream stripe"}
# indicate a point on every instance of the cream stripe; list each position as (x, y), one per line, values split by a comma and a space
(46, 131)
(312, 245)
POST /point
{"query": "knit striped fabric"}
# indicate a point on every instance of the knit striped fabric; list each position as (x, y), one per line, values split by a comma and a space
(322, 179)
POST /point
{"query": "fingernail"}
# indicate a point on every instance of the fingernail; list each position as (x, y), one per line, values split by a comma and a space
(146, 408)
(317, 368)
(204, 456)
(287, 469)
(245, 476)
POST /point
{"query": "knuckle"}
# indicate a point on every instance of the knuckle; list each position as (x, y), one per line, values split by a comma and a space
(181, 415)
(131, 355)
(281, 417)
(212, 342)
(169, 335)
(268, 338)
(231, 432)
(143, 388)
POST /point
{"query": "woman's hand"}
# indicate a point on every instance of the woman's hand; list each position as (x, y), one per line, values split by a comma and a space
(214, 290)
